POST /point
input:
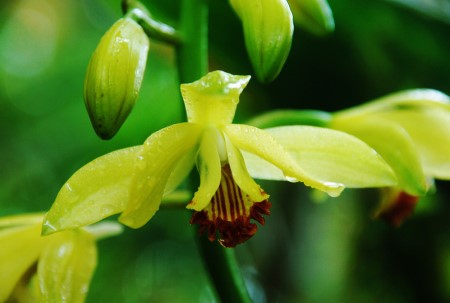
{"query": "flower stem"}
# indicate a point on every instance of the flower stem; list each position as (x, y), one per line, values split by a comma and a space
(153, 28)
(291, 117)
(192, 62)
(192, 54)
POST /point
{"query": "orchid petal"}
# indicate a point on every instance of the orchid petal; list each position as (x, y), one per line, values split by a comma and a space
(209, 167)
(241, 175)
(21, 220)
(180, 172)
(213, 98)
(430, 131)
(66, 266)
(98, 190)
(414, 98)
(394, 144)
(334, 156)
(159, 157)
(262, 144)
(20, 248)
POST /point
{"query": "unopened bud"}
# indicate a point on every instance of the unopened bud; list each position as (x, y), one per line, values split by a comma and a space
(268, 30)
(114, 76)
(314, 16)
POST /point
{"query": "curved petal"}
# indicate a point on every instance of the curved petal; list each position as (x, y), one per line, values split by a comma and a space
(414, 98)
(180, 172)
(98, 190)
(241, 175)
(160, 155)
(262, 144)
(21, 220)
(66, 266)
(334, 156)
(394, 144)
(20, 248)
(209, 167)
(430, 131)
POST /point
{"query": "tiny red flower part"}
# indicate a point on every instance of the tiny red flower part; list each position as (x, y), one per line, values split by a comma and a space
(401, 208)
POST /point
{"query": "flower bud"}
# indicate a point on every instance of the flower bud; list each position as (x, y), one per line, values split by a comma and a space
(114, 76)
(314, 16)
(268, 29)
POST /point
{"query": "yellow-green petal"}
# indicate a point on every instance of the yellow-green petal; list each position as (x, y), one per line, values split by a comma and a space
(21, 220)
(394, 144)
(19, 250)
(403, 100)
(429, 130)
(161, 153)
(209, 168)
(334, 156)
(212, 100)
(98, 190)
(66, 266)
(263, 145)
(180, 172)
(241, 175)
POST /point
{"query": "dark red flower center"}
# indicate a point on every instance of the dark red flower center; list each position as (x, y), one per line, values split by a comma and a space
(228, 217)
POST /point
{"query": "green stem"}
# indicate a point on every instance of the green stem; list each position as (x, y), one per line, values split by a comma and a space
(192, 54)
(192, 62)
(153, 28)
(291, 117)
(223, 268)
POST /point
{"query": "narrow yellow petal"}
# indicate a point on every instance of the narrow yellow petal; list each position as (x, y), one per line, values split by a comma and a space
(161, 153)
(181, 171)
(334, 156)
(241, 175)
(66, 266)
(19, 250)
(263, 145)
(209, 167)
(98, 190)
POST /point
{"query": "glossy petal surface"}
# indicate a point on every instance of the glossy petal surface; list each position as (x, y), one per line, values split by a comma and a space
(159, 157)
(241, 175)
(212, 100)
(19, 250)
(263, 145)
(209, 167)
(66, 266)
(334, 156)
(98, 190)
(430, 131)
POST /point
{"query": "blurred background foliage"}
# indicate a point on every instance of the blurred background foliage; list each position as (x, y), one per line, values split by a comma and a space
(309, 251)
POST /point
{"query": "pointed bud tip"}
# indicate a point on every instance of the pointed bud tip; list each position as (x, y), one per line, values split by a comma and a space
(48, 228)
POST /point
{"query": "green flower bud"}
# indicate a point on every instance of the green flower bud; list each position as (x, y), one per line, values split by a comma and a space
(268, 29)
(314, 16)
(114, 76)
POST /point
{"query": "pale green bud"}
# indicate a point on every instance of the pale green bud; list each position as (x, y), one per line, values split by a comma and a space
(114, 76)
(314, 16)
(268, 30)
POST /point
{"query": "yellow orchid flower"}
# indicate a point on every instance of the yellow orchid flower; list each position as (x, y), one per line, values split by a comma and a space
(133, 181)
(411, 131)
(57, 268)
